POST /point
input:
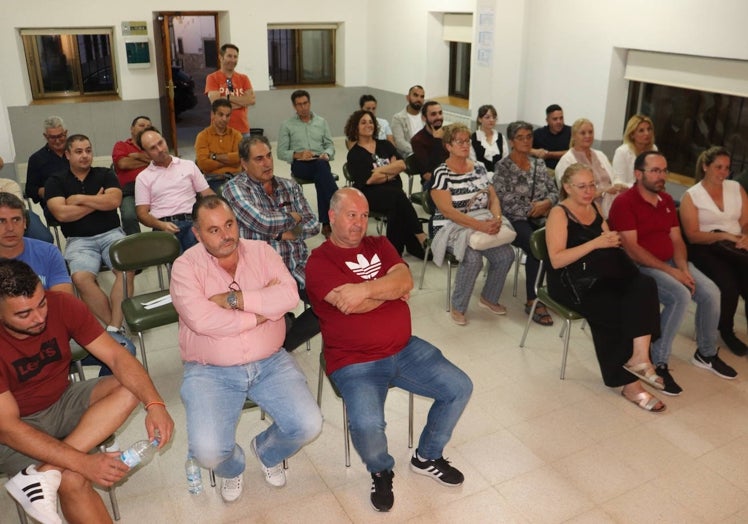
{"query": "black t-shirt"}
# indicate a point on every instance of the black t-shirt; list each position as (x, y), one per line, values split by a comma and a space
(43, 164)
(361, 163)
(542, 138)
(66, 184)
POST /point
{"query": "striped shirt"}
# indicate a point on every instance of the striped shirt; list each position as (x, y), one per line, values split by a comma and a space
(462, 186)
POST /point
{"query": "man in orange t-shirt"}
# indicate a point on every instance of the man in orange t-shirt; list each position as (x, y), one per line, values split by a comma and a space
(234, 87)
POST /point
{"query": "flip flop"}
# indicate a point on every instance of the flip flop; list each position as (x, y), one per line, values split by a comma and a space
(645, 371)
(646, 401)
(544, 318)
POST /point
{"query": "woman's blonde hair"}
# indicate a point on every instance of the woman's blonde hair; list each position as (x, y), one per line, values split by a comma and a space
(453, 130)
(575, 127)
(705, 160)
(572, 170)
(634, 122)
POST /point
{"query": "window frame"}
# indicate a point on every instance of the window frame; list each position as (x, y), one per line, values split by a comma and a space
(33, 58)
(298, 79)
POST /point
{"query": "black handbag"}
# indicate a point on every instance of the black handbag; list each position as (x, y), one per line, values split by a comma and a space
(601, 264)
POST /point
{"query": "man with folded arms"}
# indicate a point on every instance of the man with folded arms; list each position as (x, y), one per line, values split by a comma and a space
(232, 295)
(165, 190)
(217, 146)
(359, 287)
(48, 425)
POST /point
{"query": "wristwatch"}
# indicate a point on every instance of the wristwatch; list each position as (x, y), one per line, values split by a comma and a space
(212, 156)
(232, 300)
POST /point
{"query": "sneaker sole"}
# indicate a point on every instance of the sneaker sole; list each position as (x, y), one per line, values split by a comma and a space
(379, 510)
(699, 364)
(668, 393)
(20, 497)
(427, 473)
(253, 445)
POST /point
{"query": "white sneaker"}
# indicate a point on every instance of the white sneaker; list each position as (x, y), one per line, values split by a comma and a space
(276, 475)
(231, 489)
(36, 492)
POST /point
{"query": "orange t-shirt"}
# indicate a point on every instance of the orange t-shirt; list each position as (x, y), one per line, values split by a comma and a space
(219, 82)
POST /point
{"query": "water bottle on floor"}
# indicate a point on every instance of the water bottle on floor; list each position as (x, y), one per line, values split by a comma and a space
(139, 453)
(194, 476)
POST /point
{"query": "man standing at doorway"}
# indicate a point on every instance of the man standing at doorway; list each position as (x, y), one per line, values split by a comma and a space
(233, 86)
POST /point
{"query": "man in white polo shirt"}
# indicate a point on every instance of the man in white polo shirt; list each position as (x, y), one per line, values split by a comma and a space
(165, 190)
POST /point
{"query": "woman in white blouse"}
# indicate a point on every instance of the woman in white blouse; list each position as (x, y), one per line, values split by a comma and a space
(638, 137)
(714, 217)
(581, 151)
(487, 145)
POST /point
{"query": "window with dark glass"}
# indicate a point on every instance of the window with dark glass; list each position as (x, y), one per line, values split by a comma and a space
(688, 121)
(459, 69)
(69, 62)
(298, 56)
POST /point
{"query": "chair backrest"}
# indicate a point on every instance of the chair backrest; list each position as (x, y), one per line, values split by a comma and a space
(537, 244)
(411, 166)
(143, 250)
(346, 174)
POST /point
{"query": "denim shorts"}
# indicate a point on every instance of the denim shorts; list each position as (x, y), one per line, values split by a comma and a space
(58, 421)
(87, 253)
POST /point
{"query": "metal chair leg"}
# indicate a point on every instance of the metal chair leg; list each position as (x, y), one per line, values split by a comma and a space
(529, 320)
(566, 348)
(410, 419)
(141, 339)
(423, 267)
(517, 262)
(449, 285)
(346, 437)
(212, 477)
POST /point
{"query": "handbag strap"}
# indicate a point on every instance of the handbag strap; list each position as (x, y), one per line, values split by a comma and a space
(473, 199)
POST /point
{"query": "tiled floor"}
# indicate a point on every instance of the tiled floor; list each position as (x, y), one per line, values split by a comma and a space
(533, 448)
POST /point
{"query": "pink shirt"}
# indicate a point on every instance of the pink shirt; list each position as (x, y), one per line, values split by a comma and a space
(169, 190)
(210, 334)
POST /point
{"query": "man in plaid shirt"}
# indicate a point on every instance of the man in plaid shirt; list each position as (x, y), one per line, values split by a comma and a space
(274, 210)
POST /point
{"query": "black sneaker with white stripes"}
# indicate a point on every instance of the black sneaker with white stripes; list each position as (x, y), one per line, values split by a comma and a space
(382, 497)
(438, 469)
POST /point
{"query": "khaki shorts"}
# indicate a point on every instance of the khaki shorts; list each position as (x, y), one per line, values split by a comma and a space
(58, 421)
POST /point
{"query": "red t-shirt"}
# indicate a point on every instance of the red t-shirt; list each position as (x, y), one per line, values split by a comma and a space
(35, 370)
(352, 339)
(217, 82)
(122, 149)
(652, 223)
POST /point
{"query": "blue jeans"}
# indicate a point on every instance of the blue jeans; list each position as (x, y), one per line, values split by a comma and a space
(36, 229)
(213, 398)
(319, 172)
(130, 224)
(419, 367)
(185, 236)
(675, 298)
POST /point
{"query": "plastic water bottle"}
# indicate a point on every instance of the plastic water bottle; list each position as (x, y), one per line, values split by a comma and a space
(139, 453)
(194, 476)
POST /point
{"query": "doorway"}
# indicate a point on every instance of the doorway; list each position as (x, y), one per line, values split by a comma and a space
(187, 54)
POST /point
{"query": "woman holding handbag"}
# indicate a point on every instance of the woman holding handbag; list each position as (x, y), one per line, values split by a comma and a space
(590, 273)
(462, 188)
(527, 193)
(714, 217)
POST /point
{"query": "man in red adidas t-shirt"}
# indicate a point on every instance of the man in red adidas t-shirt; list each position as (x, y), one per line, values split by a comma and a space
(47, 424)
(359, 288)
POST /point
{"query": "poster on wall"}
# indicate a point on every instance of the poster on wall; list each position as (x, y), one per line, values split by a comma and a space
(485, 36)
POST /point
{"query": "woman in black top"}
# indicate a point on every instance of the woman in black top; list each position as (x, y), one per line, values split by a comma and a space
(620, 304)
(487, 145)
(375, 167)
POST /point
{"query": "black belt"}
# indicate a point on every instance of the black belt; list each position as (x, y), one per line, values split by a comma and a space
(177, 218)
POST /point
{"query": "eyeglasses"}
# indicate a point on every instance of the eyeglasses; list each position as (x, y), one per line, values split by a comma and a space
(583, 187)
(657, 171)
(56, 137)
(461, 142)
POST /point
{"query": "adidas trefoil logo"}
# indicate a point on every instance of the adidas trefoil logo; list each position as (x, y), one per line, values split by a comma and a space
(364, 268)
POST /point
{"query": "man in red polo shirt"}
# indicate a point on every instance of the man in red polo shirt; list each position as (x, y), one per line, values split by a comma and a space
(646, 217)
(129, 160)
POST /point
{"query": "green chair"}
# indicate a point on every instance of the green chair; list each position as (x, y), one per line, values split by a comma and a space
(381, 218)
(411, 169)
(141, 251)
(346, 429)
(540, 251)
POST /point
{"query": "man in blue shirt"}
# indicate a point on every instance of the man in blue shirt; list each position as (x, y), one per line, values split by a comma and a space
(304, 141)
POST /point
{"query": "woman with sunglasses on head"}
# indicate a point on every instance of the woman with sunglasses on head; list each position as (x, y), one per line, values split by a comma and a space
(621, 305)
(375, 167)
(638, 137)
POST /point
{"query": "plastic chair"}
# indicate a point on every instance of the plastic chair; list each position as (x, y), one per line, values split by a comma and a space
(347, 432)
(381, 218)
(540, 251)
(140, 251)
(411, 169)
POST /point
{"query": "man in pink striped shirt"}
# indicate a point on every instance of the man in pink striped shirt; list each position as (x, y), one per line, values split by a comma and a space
(231, 295)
